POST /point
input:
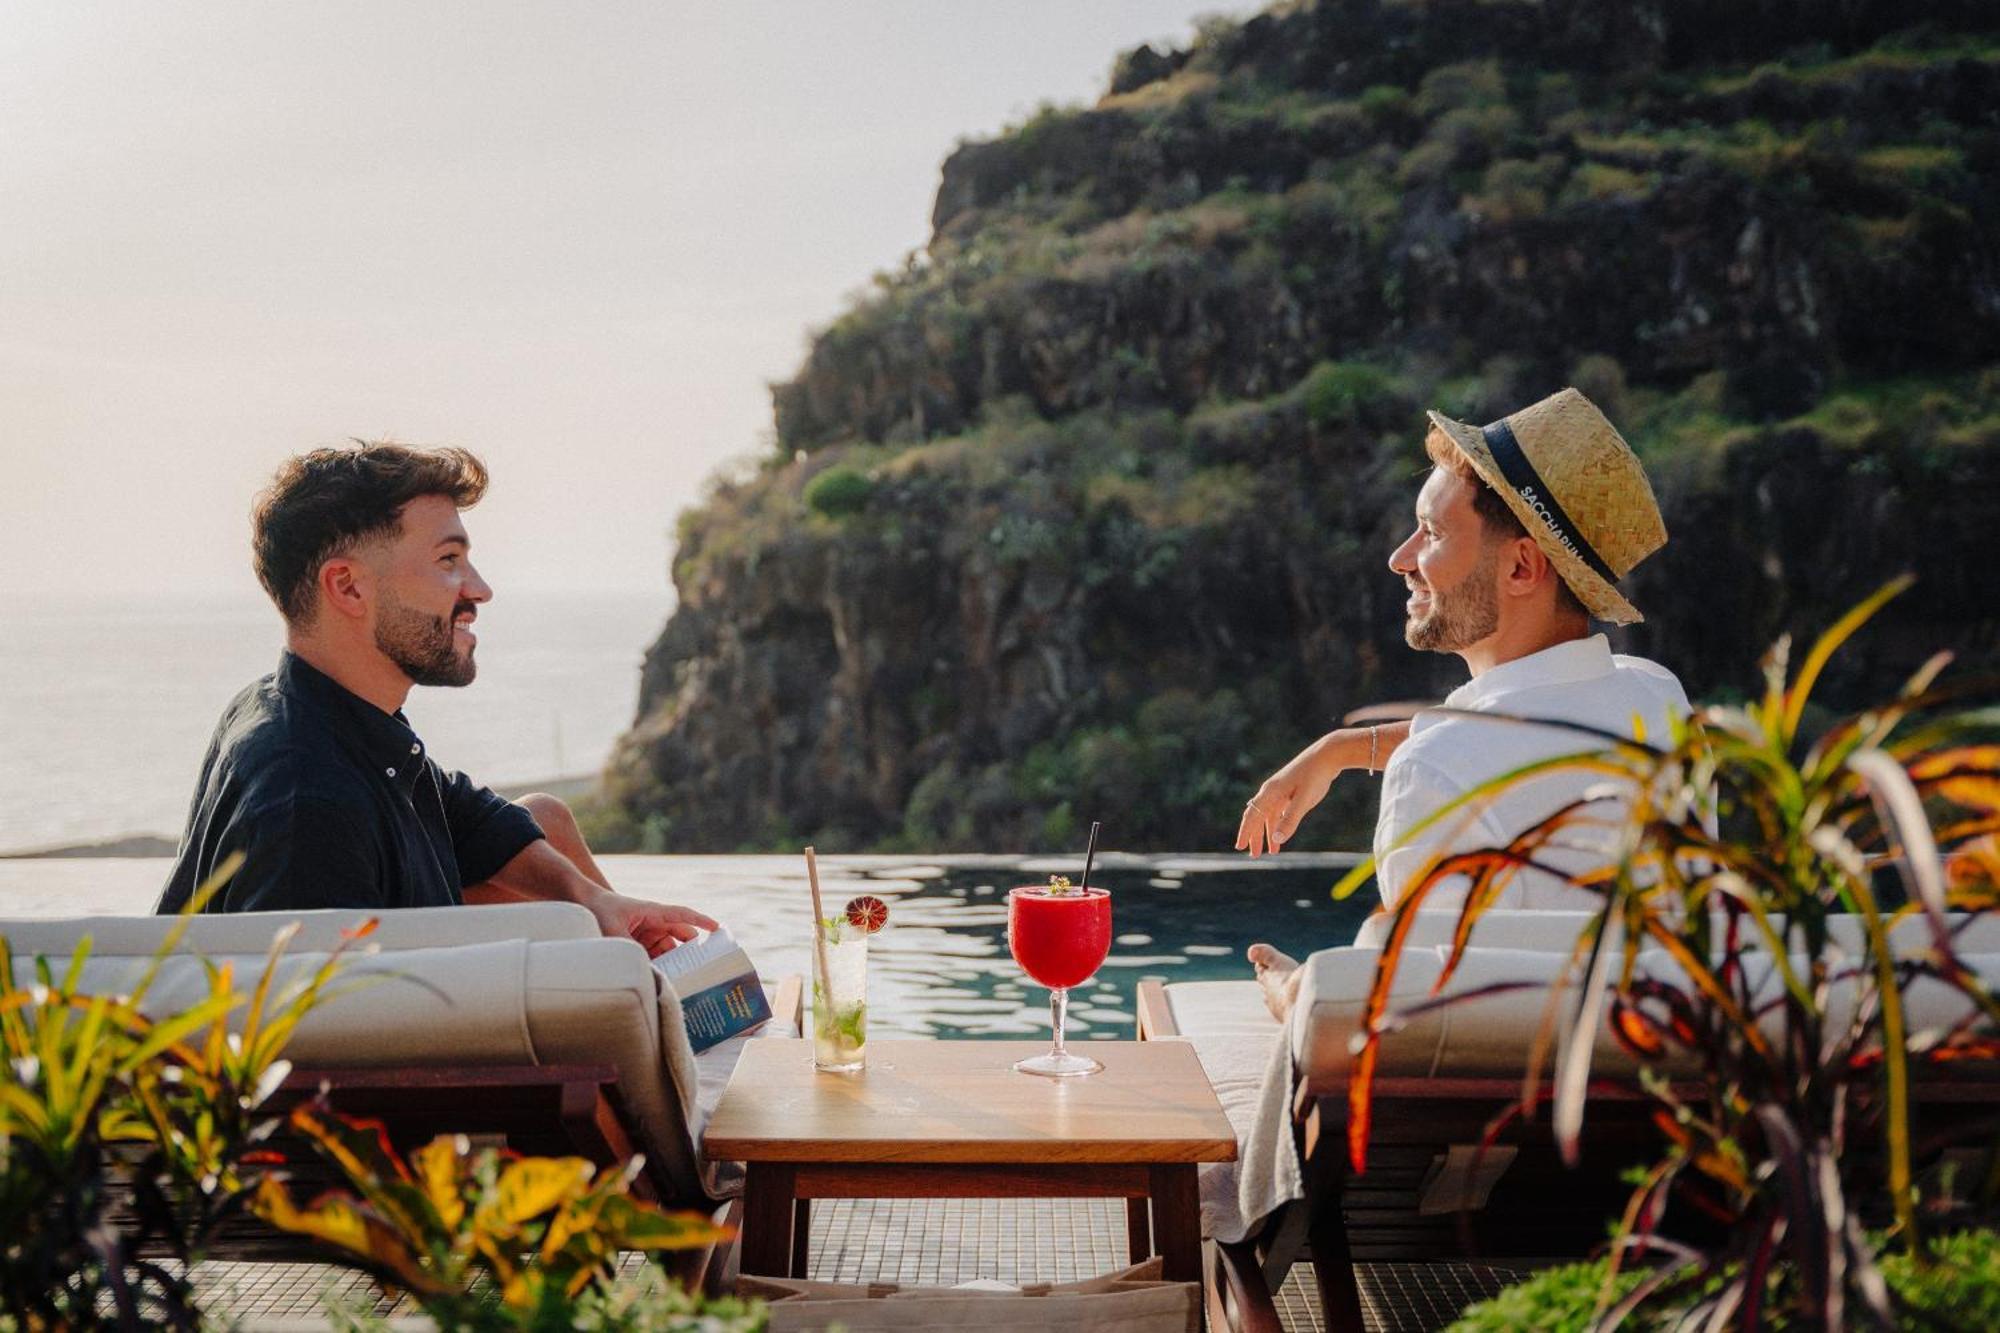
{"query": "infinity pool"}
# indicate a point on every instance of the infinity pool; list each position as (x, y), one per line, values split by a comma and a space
(941, 968)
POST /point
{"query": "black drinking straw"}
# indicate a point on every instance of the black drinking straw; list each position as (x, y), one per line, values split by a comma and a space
(1090, 854)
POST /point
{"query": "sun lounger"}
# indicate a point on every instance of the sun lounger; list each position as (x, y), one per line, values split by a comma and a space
(519, 1021)
(1427, 1192)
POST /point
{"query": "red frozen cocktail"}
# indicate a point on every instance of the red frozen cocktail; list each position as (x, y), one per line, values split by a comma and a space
(1059, 936)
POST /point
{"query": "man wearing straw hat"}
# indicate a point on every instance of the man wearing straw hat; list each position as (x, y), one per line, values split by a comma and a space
(1523, 530)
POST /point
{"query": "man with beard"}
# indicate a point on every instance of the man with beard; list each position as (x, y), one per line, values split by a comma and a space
(315, 775)
(1523, 529)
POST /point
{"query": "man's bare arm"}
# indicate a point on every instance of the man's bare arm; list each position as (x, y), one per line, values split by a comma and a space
(1272, 815)
(540, 872)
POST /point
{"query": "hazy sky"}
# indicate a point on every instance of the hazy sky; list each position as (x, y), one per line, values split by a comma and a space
(578, 238)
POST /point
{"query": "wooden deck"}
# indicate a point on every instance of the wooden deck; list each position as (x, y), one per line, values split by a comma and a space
(941, 1242)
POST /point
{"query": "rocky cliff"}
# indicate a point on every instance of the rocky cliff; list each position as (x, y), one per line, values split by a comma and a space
(1082, 512)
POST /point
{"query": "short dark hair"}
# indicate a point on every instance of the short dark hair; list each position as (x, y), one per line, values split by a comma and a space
(1501, 523)
(325, 503)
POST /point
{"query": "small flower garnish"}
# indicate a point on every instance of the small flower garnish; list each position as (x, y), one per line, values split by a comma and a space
(1060, 884)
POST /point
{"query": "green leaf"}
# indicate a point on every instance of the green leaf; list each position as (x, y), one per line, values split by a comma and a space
(74, 977)
(640, 1226)
(439, 1167)
(168, 1032)
(361, 1150)
(532, 1186)
(337, 1221)
(253, 1018)
(196, 903)
(1829, 643)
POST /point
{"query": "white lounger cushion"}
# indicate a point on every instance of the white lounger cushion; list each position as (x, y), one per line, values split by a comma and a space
(541, 987)
(1493, 1035)
(250, 932)
(1490, 1036)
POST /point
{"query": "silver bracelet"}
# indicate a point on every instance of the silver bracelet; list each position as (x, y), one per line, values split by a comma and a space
(1371, 750)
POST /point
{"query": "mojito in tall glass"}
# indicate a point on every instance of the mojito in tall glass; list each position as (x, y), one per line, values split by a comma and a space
(840, 998)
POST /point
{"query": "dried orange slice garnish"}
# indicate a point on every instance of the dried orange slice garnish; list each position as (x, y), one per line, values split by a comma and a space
(867, 913)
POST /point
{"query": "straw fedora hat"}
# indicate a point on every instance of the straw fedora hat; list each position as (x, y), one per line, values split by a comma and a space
(1577, 488)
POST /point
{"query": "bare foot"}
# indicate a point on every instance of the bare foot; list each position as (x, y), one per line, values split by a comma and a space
(1279, 975)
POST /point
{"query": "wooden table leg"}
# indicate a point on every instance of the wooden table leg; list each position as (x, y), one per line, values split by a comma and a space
(1177, 1221)
(767, 1218)
(802, 1220)
(1138, 1230)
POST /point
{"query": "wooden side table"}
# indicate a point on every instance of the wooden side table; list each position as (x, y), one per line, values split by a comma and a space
(951, 1119)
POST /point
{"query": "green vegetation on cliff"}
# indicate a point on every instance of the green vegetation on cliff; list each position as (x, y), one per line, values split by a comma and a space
(1082, 513)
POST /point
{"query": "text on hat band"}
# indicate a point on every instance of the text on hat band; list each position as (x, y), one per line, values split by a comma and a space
(1535, 493)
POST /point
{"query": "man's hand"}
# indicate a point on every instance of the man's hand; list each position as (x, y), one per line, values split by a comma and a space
(657, 926)
(541, 872)
(1272, 815)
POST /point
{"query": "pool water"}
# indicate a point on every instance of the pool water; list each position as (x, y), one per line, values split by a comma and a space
(941, 967)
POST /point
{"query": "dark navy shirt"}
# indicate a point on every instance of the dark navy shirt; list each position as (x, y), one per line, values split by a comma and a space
(335, 804)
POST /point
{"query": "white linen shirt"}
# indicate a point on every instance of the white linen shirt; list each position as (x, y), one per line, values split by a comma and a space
(1579, 681)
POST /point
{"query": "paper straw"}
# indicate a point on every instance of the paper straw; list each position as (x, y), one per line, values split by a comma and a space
(819, 931)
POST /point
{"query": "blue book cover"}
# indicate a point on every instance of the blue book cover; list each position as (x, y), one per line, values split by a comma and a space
(718, 988)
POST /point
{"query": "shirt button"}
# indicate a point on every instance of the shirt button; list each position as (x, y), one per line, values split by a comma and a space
(392, 772)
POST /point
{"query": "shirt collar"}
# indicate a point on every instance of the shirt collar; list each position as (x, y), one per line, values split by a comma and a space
(1568, 663)
(384, 741)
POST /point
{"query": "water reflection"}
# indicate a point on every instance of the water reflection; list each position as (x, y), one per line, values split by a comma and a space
(942, 969)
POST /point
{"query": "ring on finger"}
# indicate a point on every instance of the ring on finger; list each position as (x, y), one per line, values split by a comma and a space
(1251, 804)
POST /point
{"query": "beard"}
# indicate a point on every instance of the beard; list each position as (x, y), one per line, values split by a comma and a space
(421, 645)
(1462, 615)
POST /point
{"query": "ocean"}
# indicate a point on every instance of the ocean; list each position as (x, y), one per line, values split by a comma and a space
(106, 704)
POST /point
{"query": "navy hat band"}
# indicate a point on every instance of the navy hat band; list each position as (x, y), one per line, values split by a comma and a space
(1529, 486)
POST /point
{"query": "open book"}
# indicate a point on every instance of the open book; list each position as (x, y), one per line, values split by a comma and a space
(718, 988)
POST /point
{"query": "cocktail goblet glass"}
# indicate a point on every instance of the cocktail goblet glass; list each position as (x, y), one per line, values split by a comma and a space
(1060, 938)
